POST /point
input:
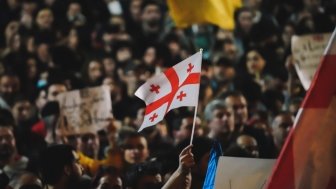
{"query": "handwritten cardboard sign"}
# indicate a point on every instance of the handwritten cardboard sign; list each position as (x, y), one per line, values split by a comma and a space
(307, 52)
(242, 173)
(85, 110)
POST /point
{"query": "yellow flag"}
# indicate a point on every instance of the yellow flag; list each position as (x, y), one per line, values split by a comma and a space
(217, 12)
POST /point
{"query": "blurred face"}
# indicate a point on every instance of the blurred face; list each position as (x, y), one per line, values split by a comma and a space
(90, 145)
(249, 144)
(111, 84)
(44, 19)
(31, 68)
(110, 182)
(149, 56)
(287, 34)
(9, 86)
(282, 125)
(223, 73)
(7, 145)
(151, 16)
(74, 9)
(230, 50)
(136, 150)
(22, 111)
(186, 129)
(109, 66)
(239, 106)
(245, 21)
(54, 90)
(135, 9)
(222, 121)
(95, 71)
(255, 62)
(124, 54)
(74, 141)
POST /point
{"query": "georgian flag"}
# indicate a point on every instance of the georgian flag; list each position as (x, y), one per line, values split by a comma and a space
(176, 87)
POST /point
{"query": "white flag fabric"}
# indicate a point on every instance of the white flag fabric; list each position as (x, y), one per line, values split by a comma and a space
(176, 87)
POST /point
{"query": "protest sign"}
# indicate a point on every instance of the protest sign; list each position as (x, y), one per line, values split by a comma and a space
(85, 110)
(307, 51)
(242, 173)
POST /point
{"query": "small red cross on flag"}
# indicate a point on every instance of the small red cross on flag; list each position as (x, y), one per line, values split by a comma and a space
(155, 88)
(170, 90)
(181, 95)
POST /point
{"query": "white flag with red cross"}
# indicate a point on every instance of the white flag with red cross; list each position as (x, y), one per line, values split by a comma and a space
(176, 87)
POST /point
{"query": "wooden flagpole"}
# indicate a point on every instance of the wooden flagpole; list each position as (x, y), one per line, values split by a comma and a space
(195, 114)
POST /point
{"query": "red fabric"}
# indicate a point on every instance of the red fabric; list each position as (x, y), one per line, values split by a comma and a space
(324, 86)
(284, 176)
(39, 128)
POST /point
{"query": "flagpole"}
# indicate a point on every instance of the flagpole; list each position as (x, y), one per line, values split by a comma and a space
(195, 113)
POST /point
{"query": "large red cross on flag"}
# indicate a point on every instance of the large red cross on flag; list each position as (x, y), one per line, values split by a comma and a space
(308, 158)
(176, 87)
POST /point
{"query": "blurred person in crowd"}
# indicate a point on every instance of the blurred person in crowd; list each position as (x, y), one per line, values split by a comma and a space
(112, 32)
(29, 76)
(243, 20)
(47, 104)
(11, 163)
(10, 10)
(288, 31)
(294, 105)
(144, 175)
(110, 67)
(249, 144)
(151, 25)
(60, 168)
(28, 11)
(220, 121)
(44, 56)
(23, 111)
(75, 15)
(133, 16)
(89, 145)
(12, 39)
(274, 101)
(281, 126)
(223, 76)
(55, 89)
(93, 73)
(11, 29)
(315, 14)
(135, 149)
(238, 103)
(70, 56)
(44, 30)
(10, 86)
(255, 65)
(28, 143)
(108, 178)
(119, 98)
(226, 48)
(183, 128)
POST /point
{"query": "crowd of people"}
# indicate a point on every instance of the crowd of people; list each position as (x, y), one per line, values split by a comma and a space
(249, 90)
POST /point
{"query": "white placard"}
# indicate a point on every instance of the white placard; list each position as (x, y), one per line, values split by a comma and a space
(307, 52)
(242, 173)
(85, 110)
